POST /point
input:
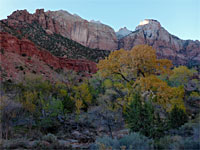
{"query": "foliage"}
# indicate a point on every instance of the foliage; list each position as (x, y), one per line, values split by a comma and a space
(68, 104)
(140, 117)
(181, 76)
(82, 92)
(139, 68)
(133, 141)
(140, 61)
(177, 143)
(9, 109)
(161, 93)
(177, 117)
(34, 93)
(61, 92)
(50, 138)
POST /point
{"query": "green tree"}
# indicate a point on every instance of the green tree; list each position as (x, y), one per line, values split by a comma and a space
(181, 76)
(141, 117)
(82, 92)
(177, 117)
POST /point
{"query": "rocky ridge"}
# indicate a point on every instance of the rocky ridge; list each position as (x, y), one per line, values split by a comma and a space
(150, 32)
(54, 43)
(19, 57)
(57, 31)
(122, 32)
(90, 34)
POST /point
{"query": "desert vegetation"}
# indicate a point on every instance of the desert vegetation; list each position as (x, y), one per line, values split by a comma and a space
(134, 101)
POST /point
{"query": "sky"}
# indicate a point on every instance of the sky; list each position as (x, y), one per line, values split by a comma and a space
(179, 17)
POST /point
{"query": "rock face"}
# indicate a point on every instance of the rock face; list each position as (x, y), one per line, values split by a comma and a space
(94, 34)
(122, 33)
(181, 52)
(19, 57)
(91, 34)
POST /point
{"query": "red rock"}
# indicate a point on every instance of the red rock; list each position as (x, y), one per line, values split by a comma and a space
(181, 52)
(90, 34)
(24, 53)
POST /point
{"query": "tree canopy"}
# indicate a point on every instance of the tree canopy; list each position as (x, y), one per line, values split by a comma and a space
(140, 61)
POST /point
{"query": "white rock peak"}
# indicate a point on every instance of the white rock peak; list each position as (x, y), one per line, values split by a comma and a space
(97, 22)
(144, 22)
(149, 23)
(122, 32)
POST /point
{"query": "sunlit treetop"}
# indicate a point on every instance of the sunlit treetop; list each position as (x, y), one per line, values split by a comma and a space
(140, 61)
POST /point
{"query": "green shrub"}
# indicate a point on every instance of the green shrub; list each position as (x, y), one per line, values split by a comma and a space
(134, 141)
(108, 142)
(68, 104)
(177, 117)
(177, 143)
(140, 117)
(50, 138)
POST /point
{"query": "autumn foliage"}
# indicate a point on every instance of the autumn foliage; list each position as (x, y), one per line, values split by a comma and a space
(140, 61)
(131, 88)
(141, 68)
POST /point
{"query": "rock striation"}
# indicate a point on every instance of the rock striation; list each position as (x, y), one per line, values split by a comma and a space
(23, 56)
(96, 35)
(150, 32)
(91, 34)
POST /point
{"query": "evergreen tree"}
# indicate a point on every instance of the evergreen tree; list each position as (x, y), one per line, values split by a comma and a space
(177, 117)
(140, 117)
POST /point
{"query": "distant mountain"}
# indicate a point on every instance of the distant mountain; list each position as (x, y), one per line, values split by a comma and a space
(25, 25)
(90, 34)
(122, 33)
(27, 46)
(55, 40)
(150, 32)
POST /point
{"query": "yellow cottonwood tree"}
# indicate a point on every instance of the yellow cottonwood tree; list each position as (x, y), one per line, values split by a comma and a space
(140, 61)
(82, 93)
(181, 75)
(162, 94)
(139, 67)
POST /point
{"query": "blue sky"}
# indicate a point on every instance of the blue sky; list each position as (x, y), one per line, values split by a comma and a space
(179, 17)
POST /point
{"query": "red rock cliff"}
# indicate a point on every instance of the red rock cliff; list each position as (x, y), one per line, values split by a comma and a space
(181, 52)
(89, 34)
(16, 53)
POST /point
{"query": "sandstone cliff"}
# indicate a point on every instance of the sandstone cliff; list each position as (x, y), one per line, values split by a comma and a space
(181, 52)
(58, 45)
(90, 34)
(122, 32)
(19, 57)
(96, 35)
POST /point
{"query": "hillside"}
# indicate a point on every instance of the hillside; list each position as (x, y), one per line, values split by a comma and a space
(56, 31)
(54, 43)
(21, 56)
(150, 32)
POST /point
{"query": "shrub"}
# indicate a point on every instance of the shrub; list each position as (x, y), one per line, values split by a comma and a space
(140, 117)
(50, 138)
(68, 104)
(177, 117)
(108, 142)
(190, 143)
(9, 109)
(134, 141)
(177, 143)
